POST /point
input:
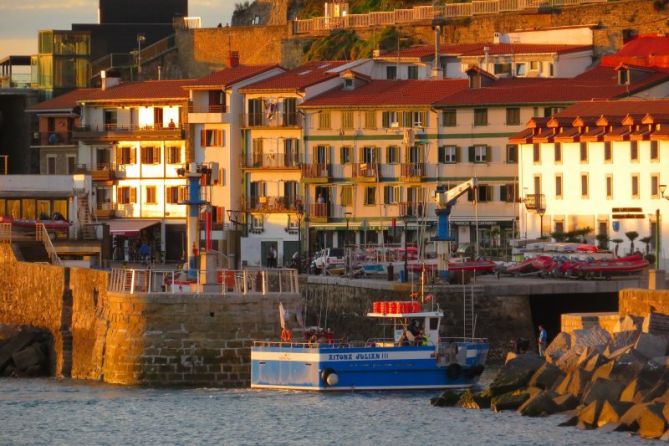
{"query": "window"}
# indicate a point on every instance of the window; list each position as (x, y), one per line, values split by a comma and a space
(511, 153)
(389, 119)
(584, 152)
(513, 116)
(157, 117)
(346, 195)
(412, 72)
(126, 195)
(150, 195)
(369, 155)
(348, 84)
(551, 69)
(391, 72)
(537, 184)
(484, 193)
(558, 152)
(370, 119)
(391, 194)
(536, 153)
(125, 155)
(448, 154)
(150, 155)
(290, 111)
(508, 193)
(175, 194)
(559, 226)
(479, 153)
(71, 164)
(415, 119)
(345, 155)
(558, 186)
(257, 223)
(635, 186)
(609, 187)
(392, 155)
(110, 118)
(502, 68)
(535, 65)
(174, 155)
(520, 69)
(324, 122)
(212, 138)
(550, 111)
(449, 117)
(584, 186)
(370, 195)
(480, 116)
(654, 151)
(51, 164)
(608, 155)
(655, 186)
(347, 119)
(634, 150)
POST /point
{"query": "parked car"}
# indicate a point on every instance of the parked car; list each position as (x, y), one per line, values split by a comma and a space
(327, 258)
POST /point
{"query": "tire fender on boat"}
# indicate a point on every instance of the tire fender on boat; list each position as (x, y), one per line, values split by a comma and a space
(474, 371)
(453, 371)
(330, 378)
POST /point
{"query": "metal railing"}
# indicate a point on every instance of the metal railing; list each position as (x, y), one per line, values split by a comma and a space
(276, 119)
(207, 108)
(318, 170)
(52, 138)
(413, 170)
(365, 170)
(272, 204)
(41, 234)
(231, 282)
(427, 13)
(273, 160)
(130, 128)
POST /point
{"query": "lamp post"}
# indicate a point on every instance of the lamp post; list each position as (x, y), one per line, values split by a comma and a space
(658, 228)
(348, 216)
(140, 38)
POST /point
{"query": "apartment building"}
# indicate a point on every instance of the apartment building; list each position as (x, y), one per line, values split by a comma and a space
(215, 117)
(132, 141)
(600, 165)
(275, 162)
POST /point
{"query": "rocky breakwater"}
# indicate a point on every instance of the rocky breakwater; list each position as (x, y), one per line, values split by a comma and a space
(616, 381)
(24, 351)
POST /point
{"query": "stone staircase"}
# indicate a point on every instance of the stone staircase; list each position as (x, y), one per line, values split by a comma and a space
(86, 218)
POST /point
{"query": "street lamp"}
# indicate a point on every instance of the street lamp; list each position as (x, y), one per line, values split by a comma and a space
(140, 38)
(348, 216)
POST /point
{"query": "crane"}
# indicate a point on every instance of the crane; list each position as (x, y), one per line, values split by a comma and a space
(445, 200)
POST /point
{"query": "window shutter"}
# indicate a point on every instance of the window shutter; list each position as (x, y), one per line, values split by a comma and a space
(221, 138)
(471, 154)
(441, 155)
(458, 155)
(470, 194)
(203, 138)
(503, 193)
(181, 194)
(119, 195)
(119, 155)
(488, 154)
(386, 119)
(133, 195)
(156, 155)
(133, 155)
(386, 194)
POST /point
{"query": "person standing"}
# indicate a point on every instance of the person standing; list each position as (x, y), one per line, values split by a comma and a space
(542, 341)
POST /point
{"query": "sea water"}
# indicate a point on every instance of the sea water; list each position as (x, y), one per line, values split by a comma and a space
(50, 411)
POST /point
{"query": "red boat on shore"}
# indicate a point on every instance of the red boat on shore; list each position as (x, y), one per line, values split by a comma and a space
(56, 225)
(605, 269)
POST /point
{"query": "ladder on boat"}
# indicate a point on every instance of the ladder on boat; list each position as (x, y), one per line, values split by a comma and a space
(469, 295)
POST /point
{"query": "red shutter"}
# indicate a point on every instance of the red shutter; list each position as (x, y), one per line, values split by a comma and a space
(203, 138)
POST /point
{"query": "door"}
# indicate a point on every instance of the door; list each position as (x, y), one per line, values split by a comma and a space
(265, 247)
(290, 111)
(255, 110)
(290, 194)
(289, 248)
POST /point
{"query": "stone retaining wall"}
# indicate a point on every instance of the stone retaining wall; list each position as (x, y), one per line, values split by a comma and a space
(578, 321)
(641, 302)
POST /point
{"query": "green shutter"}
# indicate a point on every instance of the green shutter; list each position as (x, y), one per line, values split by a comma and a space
(488, 154)
(458, 155)
(502, 193)
(472, 154)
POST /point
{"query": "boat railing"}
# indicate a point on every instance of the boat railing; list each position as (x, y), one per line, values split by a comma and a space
(462, 339)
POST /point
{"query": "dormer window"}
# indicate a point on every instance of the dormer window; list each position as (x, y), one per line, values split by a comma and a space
(348, 84)
(475, 81)
(623, 76)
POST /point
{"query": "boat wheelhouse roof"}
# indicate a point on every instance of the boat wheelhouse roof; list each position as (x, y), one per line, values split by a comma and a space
(437, 313)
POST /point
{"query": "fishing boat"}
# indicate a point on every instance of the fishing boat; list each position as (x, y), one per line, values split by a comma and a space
(415, 357)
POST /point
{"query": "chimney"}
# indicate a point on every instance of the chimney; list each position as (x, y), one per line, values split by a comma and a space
(109, 78)
(438, 27)
(233, 59)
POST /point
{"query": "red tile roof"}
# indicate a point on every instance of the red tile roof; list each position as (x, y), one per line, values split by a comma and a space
(299, 78)
(230, 76)
(146, 91)
(478, 49)
(389, 93)
(65, 101)
(609, 109)
(598, 83)
(645, 50)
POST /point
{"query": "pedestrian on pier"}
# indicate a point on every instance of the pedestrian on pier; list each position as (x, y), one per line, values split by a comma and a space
(542, 340)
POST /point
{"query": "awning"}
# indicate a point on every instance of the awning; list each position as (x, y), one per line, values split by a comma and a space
(129, 228)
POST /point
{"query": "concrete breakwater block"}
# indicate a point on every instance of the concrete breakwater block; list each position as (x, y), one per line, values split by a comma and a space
(26, 353)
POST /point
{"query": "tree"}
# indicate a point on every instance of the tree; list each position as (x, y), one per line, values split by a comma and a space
(602, 241)
(646, 240)
(632, 235)
(617, 241)
(558, 236)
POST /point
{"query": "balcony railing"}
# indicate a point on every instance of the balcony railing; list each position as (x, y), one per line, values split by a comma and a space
(412, 209)
(52, 138)
(320, 210)
(273, 160)
(410, 170)
(272, 204)
(207, 108)
(272, 119)
(118, 130)
(317, 170)
(365, 170)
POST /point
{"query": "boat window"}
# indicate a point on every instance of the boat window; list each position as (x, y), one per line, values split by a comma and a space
(434, 323)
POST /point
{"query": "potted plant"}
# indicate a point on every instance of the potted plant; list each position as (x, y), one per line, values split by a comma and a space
(632, 235)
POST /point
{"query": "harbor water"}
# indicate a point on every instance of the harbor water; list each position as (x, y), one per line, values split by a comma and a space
(49, 411)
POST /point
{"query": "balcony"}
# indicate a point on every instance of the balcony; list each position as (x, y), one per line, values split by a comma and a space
(278, 160)
(316, 173)
(208, 114)
(366, 172)
(53, 139)
(412, 171)
(412, 209)
(113, 132)
(319, 212)
(271, 205)
(102, 172)
(104, 210)
(271, 120)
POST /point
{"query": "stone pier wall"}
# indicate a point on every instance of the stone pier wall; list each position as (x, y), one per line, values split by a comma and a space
(641, 302)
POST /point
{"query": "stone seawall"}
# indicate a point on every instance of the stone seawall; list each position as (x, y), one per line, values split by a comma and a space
(501, 319)
(642, 302)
